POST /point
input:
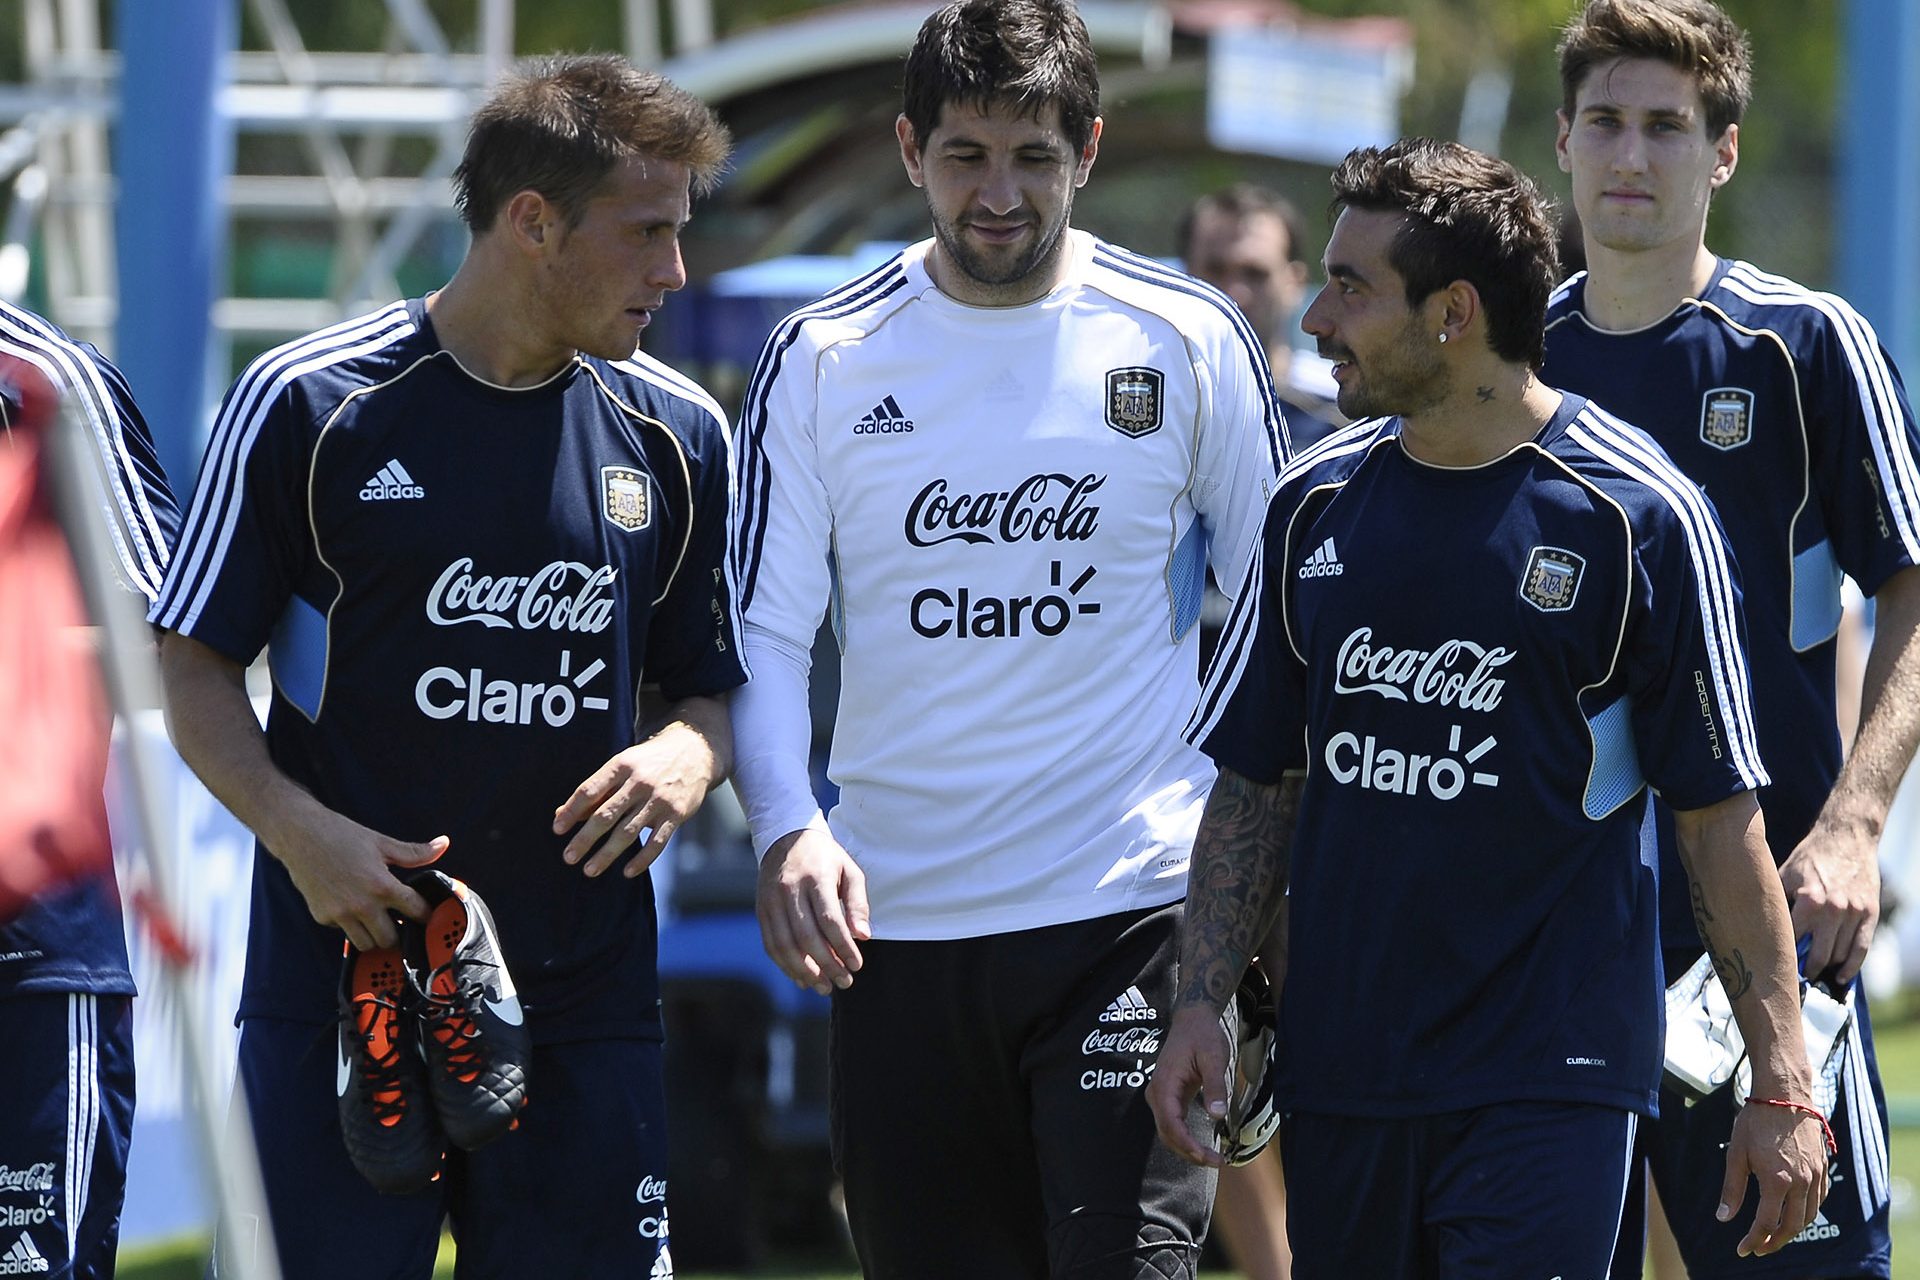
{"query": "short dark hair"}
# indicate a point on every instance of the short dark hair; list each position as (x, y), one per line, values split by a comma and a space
(1023, 53)
(558, 125)
(1468, 216)
(1247, 200)
(1694, 36)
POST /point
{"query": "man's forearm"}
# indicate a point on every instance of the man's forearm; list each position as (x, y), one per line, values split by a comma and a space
(706, 718)
(1889, 729)
(1743, 920)
(213, 726)
(1236, 885)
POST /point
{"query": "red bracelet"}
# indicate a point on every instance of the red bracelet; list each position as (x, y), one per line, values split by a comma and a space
(1833, 1148)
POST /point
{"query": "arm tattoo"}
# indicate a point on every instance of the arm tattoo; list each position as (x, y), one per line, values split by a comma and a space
(1735, 974)
(1237, 882)
(1702, 915)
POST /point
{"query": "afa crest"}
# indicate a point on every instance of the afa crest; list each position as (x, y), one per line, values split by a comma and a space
(1134, 400)
(1726, 417)
(1552, 579)
(626, 498)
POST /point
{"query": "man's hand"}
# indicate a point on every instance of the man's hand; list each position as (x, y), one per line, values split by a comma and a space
(1833, 876)
(1785, 1151)
(342, 871)
(339, 866)
(1833, 881)
(812, 904)
(654, 787)
(1195, 1059)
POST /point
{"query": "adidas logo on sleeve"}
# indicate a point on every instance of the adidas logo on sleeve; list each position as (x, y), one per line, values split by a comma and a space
(884, 419)
(1323, 563)
(392, 481)
(1130, 1006)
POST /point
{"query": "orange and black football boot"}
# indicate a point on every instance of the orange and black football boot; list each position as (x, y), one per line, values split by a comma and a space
(386, 1117)
(473, 1031)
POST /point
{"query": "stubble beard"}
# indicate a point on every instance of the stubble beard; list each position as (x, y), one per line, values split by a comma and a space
(1011, 275)
(1408, 380)
(568, 306)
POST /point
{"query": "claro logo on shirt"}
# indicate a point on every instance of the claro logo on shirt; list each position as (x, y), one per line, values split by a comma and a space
(969, 613)
(480, 696)
(565, 595)
(1373, 765)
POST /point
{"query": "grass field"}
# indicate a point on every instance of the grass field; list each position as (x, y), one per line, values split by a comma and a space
(1897, 1035)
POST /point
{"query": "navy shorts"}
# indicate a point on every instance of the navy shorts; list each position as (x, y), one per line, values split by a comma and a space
(578, 1190)
(1516, 1189)
(1850, 1237)
(65, 1127)
(989, 1118)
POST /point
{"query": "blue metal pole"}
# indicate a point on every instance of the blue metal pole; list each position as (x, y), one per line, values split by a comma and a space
(172, 150)
(1879, 258)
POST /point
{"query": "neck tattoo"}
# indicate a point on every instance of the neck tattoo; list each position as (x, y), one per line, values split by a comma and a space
(1485, 394)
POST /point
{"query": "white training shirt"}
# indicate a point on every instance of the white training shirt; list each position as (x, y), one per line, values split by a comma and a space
(1020, 504)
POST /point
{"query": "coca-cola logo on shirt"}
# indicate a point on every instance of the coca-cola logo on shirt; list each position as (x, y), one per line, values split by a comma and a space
(28, 1177)
(563, 596)
(1044, 507)
(1130, 1040)
(1455, 673)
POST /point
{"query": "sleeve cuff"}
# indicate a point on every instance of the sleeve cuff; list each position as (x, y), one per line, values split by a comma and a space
(778, 830)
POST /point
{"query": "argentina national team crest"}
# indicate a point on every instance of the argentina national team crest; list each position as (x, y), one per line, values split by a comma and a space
(1726, 417)
(1133, 400)
(1552, 579)
(626, 497)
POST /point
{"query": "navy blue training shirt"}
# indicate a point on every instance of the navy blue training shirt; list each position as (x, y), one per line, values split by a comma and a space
(461, 587)
(1781, 404)
(1479, 670)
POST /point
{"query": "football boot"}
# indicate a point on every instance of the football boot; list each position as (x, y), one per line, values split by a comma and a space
(386, 1118)
(473, 1032)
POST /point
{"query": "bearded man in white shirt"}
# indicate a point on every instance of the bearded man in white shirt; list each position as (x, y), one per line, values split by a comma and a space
(1022, 447)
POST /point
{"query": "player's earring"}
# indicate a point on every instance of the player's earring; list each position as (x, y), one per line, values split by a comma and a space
(1443, 337)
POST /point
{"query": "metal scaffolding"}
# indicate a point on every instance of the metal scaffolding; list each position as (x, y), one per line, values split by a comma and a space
(348, 121)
